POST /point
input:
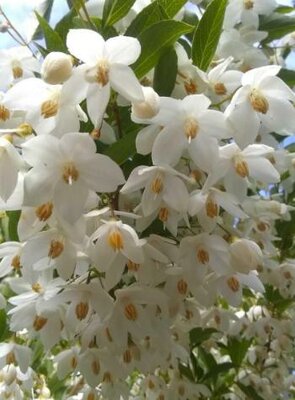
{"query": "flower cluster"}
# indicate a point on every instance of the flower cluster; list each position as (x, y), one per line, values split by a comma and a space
(146, 276)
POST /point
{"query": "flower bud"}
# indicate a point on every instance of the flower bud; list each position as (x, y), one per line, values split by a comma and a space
(147, 108)
(246, 255)
(56, 68)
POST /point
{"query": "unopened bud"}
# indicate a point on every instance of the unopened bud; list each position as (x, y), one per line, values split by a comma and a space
(56, 68)
(147, 108)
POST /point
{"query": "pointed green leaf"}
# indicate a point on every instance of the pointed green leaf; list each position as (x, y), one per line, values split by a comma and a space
(52, 39)
(46, 15)
(207, 34)
(249, 391)
(288, 76)
(13, 217)
(165, 72)
(172, 7)
(123, 148)
(277, 25)
(114, 10)
(151, 14)
(199, 335)
(237, 350)
(166, 33)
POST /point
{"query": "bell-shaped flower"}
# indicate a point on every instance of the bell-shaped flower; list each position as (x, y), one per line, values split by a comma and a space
(192, 127)
(111, 246)
(263, 99)
(160, 183)
(16, 63)
(206, 205)
(65, 171)
(49, 108)
(247, 12)
(11, 353)
(106, 65)
(235, 166)
(10, 252)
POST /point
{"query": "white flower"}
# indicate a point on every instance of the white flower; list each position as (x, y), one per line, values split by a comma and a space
(262, 99)
(16, 63)
(235, 166)
(160, 183)
(49, 108)
(247, 12)
(106, 65)
(12, 352)
(112, 245)
(192, 127)
(65, 171)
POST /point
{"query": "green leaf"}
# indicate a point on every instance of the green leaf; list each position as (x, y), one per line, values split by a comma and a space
(123, 148)
(165, 72)
(151, 14)
(218, 369)
(186, 371)
(3, 324)
(288, 76)
(285, 9)
(277, 26)
(207, 34)
(13, 217)
(52, 39)
(65, 24)
(207, 358)
(114, 10)
(166, 33)
(172, 7)
(249, 391)
(237, 350)
(199, 335)
(46, 15)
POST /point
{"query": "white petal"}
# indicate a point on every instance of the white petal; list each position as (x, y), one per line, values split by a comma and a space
(168, 146)
(122, 49)
(85, 44)
(97, 101)
(146, 138)
(175, 194)
(101, 174)
(124, 81)
(262, 170)
(255, 75)
(69, 200)
(204, 152)
(38, 186)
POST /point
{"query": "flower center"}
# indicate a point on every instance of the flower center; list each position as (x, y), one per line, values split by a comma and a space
(49, 108)
(15, 262)
(191, 128)
(56, 248)
(115, 240)
(24, 129)
(157, 185)
(202, 256)
(17, 72)
(10, 358)
(127, 357)
(74, 362)
(241, 167)
(248, 4)
(130, 312)
(70, 173)
(212, 208)
(44, 211)
(95, 367)
(4, 113)
(259, 101)
(36, 287)
(39, 322)
(233, 284)
(190, 87)
(132, 266)
(102, 73)
(182, 286)
(163, 214)
(220, 89)
(82, 310)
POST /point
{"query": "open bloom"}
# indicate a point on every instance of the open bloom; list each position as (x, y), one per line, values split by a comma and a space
(106, 65)
(65, 171)
(192, 127)
(263, 99)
